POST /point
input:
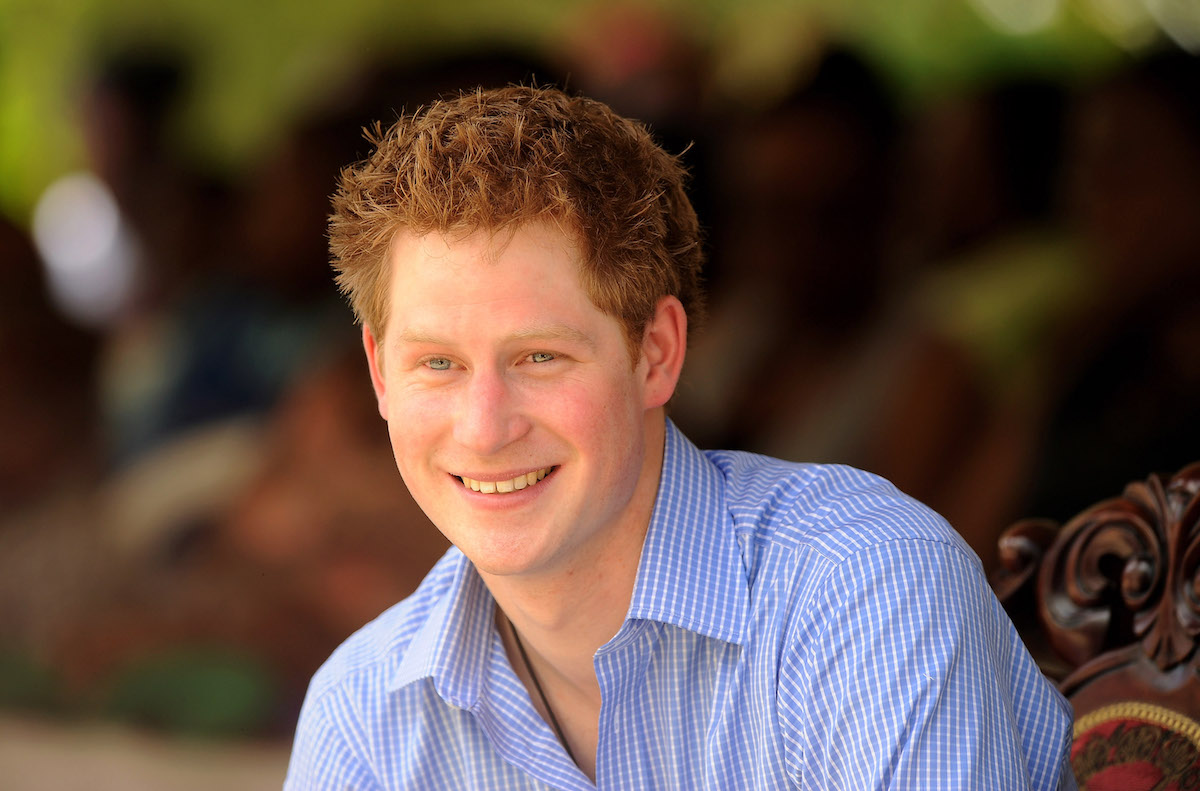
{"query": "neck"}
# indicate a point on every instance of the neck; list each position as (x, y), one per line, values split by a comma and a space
(563, 625)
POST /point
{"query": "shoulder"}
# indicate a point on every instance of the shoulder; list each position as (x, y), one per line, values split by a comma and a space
(829, 510)
(890, 652)
(827, 546)
(824, 543)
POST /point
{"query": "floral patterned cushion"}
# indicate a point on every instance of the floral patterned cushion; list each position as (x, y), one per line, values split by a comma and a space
(1136, 747)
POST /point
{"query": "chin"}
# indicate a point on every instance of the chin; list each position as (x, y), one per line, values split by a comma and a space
(498, 565)
(502, 556)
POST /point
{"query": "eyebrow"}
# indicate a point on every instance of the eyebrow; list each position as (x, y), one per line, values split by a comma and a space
(540, 332)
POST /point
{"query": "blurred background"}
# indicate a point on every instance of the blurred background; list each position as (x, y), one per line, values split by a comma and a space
(954, 242)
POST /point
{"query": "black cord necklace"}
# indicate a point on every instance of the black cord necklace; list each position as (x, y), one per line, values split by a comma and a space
(541, 693)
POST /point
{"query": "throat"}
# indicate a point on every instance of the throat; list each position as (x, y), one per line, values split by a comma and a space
(551, 719)
(574, 722)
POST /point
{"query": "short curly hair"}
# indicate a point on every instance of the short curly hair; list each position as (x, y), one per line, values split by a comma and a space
(496, 159)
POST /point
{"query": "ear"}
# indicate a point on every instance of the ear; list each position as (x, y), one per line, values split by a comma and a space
(375, 364)
(664, 345)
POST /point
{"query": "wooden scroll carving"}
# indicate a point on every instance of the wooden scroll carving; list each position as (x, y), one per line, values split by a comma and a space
(1122, 576)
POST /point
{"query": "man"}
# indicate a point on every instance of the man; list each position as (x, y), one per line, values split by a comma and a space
(619, 609)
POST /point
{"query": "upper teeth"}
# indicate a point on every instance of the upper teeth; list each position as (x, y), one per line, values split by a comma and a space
(503, 487)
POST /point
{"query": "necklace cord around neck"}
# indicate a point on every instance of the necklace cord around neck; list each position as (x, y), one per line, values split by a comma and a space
(541, 693)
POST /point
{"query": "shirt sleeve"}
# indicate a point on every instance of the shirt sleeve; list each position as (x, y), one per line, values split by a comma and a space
(910, 675)
(322, 758)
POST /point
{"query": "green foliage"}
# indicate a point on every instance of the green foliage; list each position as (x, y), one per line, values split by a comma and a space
(258, 64)
(28, 686)
(199, 692)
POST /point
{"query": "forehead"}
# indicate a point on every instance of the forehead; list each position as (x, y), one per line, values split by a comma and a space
(520, 276)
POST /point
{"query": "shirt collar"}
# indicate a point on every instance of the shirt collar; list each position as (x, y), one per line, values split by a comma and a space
(452, 644)
(690, 575)
(691, 572)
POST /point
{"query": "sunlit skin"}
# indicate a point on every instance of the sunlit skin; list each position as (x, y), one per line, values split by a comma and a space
(495, 364)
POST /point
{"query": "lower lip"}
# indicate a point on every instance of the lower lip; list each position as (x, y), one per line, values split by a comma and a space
(511, 499)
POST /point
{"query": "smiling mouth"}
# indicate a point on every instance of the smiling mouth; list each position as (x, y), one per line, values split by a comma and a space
(505, 487)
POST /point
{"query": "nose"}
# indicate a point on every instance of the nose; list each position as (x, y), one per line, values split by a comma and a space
(488, 415)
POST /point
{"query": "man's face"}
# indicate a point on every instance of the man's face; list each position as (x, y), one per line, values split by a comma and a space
(517, 418)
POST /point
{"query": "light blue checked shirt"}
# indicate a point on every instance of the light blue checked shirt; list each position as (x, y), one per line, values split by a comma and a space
(792, 626)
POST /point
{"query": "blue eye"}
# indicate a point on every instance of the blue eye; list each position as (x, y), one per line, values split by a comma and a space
(439, 364)
(541, 357)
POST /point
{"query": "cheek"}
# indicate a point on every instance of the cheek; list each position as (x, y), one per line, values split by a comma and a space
(411, 447)
(400, 437)
(413, 421)
(604, 419)
(586, 407)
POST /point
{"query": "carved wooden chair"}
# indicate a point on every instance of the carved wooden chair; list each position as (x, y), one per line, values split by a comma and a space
(1109, 604)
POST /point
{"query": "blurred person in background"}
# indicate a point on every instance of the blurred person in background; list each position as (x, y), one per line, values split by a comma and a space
(226, 321)
(128, 108)
(1124, 385)
(1053, 248)
(48, 367)
(987, 275)
(50, 464)
(225, 313)
(806, 188)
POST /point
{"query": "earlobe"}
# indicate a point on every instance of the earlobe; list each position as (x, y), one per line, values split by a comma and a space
(375, 365)
(664, 346)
